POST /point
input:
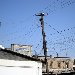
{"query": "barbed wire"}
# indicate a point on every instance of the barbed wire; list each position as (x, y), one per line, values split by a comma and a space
(55, 5)
(50, 9)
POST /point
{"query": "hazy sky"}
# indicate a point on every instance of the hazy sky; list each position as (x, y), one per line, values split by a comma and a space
(19, 25)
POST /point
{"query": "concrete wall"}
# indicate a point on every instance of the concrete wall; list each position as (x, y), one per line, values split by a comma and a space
(58, 64)
(11, 67)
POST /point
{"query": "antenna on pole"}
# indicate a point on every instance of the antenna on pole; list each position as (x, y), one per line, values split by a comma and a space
(0, 24)
(44, 38)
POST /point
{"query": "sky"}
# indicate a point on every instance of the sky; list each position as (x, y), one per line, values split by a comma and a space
(19, 25)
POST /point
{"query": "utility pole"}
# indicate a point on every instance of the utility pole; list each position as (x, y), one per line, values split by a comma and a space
(44, 39)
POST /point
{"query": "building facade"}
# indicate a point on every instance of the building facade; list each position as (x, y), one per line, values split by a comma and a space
(22, 49)
(58, 64)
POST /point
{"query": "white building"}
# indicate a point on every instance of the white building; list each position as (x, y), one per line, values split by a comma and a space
(22, 49)
(12, 63)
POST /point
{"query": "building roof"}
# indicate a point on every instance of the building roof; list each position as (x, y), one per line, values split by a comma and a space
(61, 57)
(21, 45)
(54, 57)
(4, 53)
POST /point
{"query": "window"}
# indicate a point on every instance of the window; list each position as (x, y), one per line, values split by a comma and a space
(67, 65)
(59, 64)
(51, 64)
